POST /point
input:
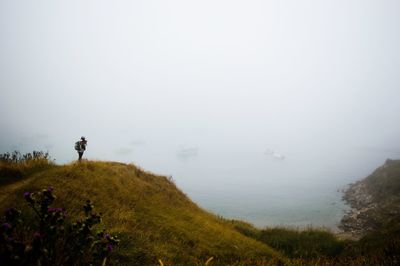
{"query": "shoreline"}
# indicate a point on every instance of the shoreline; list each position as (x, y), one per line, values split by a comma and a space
(357, 221)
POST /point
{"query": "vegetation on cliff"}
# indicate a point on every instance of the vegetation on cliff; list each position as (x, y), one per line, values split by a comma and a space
(149, 214)
(158, 224)
(375, 201)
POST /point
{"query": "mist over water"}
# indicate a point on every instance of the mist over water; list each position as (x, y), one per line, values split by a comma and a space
(241, 182)
(242, 179)
(259, 110)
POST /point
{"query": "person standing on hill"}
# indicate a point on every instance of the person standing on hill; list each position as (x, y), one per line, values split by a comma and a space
(80, 147)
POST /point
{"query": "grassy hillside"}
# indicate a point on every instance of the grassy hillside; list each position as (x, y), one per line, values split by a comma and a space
(384, 187)
(384, 183)
(153, 219)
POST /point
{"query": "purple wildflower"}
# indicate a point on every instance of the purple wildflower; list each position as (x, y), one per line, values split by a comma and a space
(37, 235)
(6, 226)
(107, 236)
(109, 248)
(50, 189)
(11, 213)
(27, 195)
(55, 209)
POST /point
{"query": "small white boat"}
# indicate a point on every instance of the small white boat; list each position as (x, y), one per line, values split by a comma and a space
(274, 154)
(188, 152)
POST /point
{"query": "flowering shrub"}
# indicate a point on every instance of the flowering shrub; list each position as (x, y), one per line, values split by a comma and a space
(50, 239)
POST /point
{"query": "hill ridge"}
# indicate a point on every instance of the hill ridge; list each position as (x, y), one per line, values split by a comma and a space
(153, 218)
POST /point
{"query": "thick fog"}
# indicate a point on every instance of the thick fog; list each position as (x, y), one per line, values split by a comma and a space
(254, 107)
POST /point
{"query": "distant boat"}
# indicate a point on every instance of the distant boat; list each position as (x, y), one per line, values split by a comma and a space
(269, 152)
(274, 154)
(188, 152)
(278, 156)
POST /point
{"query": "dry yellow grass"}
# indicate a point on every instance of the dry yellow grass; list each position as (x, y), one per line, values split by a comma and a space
(153, 218)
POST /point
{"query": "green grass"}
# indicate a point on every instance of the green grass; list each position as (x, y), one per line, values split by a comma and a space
(319, 247)
(384, 187)
(384, 182)
(310, 243)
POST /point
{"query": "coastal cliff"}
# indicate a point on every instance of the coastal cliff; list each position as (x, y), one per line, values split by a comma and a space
(374, 201)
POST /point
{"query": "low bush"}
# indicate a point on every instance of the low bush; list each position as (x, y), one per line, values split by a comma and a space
(309, 243)
(47, 237)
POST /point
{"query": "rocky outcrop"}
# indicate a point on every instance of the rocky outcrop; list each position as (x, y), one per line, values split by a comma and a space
(372, 201)
(356, 220)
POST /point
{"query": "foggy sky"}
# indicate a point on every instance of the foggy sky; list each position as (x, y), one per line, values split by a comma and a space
(314, 75)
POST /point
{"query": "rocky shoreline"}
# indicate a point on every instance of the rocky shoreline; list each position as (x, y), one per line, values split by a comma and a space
(374, 201)
(358, 220)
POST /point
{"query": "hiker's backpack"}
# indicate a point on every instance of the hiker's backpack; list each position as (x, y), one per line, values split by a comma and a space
(77, 145)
